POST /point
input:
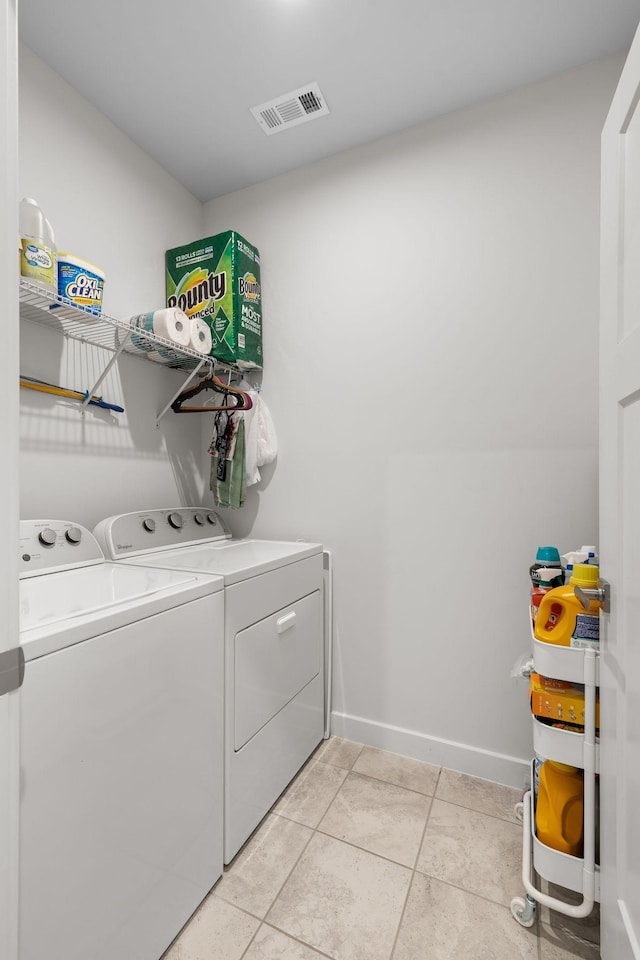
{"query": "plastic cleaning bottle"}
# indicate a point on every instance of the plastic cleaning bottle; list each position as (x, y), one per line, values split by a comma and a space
(570, 559)
(560, 808)
(586, 554)
(538, 761)
(37, 247)
(547, 557)
(592, 554)
(546, 573)
(561, 617)
(548, 579)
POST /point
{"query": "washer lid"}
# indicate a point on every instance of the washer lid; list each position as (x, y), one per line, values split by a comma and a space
(234, 560)
(63, 608)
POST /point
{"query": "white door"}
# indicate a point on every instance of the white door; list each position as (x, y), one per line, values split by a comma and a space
(9, 769)
(620, 517)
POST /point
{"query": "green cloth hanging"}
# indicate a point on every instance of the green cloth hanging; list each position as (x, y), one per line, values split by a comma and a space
(231, 490)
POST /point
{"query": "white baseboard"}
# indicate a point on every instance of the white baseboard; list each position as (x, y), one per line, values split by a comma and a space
(444, 753)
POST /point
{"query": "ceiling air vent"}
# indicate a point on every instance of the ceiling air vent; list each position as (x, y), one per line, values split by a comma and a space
(291, 109)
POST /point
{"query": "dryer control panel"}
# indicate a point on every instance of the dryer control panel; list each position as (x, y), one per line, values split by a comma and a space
(134, 534)
(48, 545)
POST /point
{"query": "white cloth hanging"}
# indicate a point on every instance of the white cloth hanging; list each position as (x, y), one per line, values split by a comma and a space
(251, 439)
(261, 442)
(267, 439)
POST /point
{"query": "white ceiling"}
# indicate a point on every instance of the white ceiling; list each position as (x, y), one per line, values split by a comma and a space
(179, 77)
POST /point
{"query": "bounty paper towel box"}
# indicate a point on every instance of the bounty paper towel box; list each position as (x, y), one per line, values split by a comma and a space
(218, 279)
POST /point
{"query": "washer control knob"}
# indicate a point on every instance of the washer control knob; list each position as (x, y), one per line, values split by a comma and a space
(175, 521)
(211, 517)
(199, 519)
(47, 537)
(149, 525)
(73, 535)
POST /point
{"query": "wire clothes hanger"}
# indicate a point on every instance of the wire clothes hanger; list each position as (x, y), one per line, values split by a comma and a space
(242, 399)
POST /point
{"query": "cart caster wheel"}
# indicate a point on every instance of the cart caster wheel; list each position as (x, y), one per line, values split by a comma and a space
(519, 811)
(524, 911)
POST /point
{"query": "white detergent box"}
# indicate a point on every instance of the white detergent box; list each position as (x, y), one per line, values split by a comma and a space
(80, 281)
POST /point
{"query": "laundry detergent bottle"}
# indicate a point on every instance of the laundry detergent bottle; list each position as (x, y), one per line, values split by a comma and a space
(546, 573)
(548, 578)
(560, 808)
(561, 617)
(38, 263)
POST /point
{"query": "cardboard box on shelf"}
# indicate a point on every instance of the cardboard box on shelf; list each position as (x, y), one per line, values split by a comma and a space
(218, 279)
(559, 700)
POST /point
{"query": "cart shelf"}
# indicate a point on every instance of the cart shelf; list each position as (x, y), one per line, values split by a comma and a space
(557, 867)
(565, 746)
(561, 663)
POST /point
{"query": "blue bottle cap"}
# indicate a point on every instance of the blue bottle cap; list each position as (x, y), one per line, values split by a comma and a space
(547, 555)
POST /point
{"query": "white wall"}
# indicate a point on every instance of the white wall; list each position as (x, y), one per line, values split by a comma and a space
(431, 305)
(430, 339)
(114, 206)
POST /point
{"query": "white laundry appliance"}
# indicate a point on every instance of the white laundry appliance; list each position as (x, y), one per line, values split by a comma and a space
(274, 673)
(121, 749)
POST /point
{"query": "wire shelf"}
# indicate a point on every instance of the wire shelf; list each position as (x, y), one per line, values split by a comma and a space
(81, 323)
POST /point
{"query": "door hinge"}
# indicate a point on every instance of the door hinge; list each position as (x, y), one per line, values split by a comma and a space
(11, 670)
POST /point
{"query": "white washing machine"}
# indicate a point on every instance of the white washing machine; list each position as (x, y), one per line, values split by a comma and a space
(121, 749)
(274, 675)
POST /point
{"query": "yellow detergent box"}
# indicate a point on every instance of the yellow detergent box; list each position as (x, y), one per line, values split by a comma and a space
(559, 700)
(218, 280)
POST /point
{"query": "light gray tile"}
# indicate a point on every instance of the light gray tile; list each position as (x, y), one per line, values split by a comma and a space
(270, 944)
(217, 929)
(556, 945)
(378, 816)
(343, 901)
(341, 753)
(471, 850)
(308, 797)
(565, 928)
(482, 795)
(403, 771)
(444, 923)
(257, 873)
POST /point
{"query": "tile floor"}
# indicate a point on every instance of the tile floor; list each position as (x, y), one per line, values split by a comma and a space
(371, 856)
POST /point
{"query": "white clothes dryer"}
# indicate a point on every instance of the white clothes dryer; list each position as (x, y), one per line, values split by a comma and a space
(121, 750)
(274, 652)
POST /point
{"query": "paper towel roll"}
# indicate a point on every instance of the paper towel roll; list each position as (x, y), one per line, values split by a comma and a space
(200, 340)
(156, 357)
(167, 356)
(170, 323)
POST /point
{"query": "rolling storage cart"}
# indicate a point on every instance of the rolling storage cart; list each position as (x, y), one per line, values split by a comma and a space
(581, 875)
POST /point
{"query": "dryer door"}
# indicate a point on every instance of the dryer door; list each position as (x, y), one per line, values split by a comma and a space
(274, 659)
